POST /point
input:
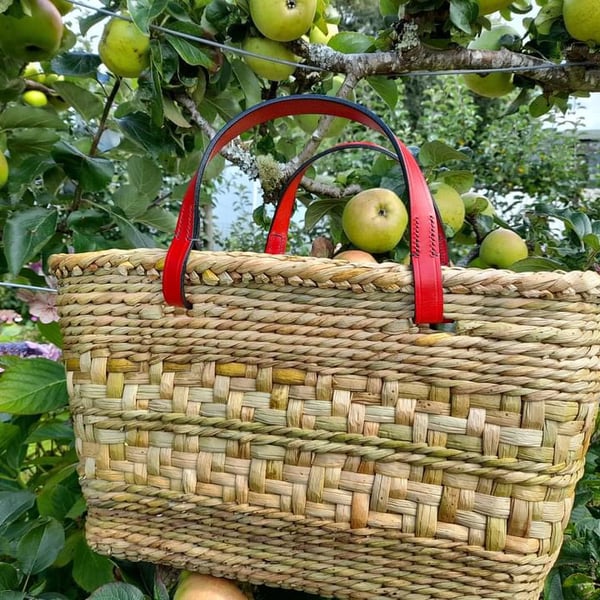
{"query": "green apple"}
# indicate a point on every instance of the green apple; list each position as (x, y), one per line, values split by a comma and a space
(283, 20)
(32, 37)
(3, 170)
(489, 6)
(478, 263)
(502, 247)
(450, 205)
(477, 204)
(491, 85)
(309, 123)
(263, 67)
(316, 36)
(375, 220)
(582, 19)
(35, 98)
(34, 71)
(124, 49)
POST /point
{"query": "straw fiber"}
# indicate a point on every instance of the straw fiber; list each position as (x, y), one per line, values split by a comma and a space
(296, 429)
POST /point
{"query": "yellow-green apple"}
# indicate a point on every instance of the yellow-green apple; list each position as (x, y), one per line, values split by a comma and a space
(478, 263)
(492, 85)
(195, 586)
(124, 49)
(375, 220)
(274, 71)
(309, 123)
(36, 36)
(317, 36)
(35, 98)
(502, 247)
(282, 20)
(356, 256)
(450, 205)
(489, 6)
(582, 19)
(3, 170)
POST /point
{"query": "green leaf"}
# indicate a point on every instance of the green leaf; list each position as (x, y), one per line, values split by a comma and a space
(539, 106)
(50, 332)
(130, 201)
(56, 499)
(145, 176)
(117, 591)
(133, 236)
(77, 64)
(461, 180)
(13, 505)
(88, 105)
(143, 12)
(578, 586)
(173, 112)
(9, 577)
(32, 141)
(159, 218)
(436, 153)
(19, 117)
(248, 82)
(351, 42)
(536, 263)
(90, 569)
(190, 51)
(386, 89)
(55, 430)
(12, 595)
(138, 128)
(8, 432)
(25, 233)
(463, 13)
(389, 8)
(319, 209)
(94, 174)
(40, 546)
(553, 586)
(592, 240)
(33, 386)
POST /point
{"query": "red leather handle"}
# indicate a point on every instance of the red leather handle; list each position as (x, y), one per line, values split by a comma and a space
(425, 239)
(278, 232)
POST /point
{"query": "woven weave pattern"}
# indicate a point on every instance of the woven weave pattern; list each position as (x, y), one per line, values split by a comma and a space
(297, 429)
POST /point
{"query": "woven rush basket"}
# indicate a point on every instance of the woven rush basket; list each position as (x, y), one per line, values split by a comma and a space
(296, 425)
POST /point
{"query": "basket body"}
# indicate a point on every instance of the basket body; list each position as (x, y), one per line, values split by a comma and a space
(295, 429)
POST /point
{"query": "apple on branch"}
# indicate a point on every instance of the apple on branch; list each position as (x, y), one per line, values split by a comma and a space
(502, 248)
(268, 69)
(283, 20)
(375, 220)
(124, 49)
(32, 37)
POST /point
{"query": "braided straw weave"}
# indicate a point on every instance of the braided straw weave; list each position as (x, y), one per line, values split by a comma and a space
(296, 429)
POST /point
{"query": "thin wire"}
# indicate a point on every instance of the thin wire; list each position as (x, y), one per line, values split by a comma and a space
(34, 288)
(310, 67)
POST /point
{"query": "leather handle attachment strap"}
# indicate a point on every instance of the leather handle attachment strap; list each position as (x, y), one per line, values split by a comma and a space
(424, 227)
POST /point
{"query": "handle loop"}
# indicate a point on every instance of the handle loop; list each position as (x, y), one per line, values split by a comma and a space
(278, 232)
(425, 239)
